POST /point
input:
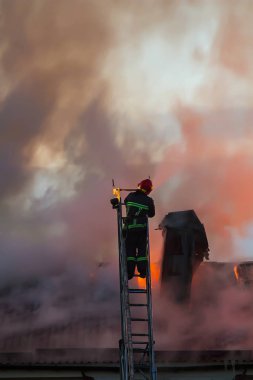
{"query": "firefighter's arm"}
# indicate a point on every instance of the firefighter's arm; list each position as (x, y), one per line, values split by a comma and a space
(151, 209)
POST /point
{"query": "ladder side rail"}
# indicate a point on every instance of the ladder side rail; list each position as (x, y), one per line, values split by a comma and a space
(123, 351)
(153, 372)
(126, 317)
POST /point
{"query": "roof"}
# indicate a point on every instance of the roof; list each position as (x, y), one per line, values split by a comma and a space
(95, 357)
(180, 219)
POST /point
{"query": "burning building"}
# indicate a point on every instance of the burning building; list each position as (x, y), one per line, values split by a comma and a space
(244, 273)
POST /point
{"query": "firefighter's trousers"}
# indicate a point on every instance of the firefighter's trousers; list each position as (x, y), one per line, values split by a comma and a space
(136, 251)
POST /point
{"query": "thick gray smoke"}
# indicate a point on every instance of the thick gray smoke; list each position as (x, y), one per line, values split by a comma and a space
(59, 152)
(92, 91)
(218, 315)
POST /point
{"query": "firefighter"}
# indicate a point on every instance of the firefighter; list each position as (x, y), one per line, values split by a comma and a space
(139, 206)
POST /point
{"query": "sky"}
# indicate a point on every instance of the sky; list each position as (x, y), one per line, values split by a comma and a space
(95, 90)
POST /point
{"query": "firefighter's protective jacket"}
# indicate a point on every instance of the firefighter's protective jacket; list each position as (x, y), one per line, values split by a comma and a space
(138, 206)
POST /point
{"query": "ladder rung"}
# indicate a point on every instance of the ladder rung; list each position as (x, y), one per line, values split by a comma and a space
(139, 334)
(140, 349)
(138, 275)
(139, 342)
(141, 365)
(137, 290)
(138, 304)
(139, 319)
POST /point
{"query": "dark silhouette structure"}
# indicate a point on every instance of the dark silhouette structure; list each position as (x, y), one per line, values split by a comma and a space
(185, 247)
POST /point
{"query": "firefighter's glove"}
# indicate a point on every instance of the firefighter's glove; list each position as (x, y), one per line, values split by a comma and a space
(114, 202)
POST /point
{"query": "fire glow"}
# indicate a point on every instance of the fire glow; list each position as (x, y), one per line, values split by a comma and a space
(236, 272)
(155, 276)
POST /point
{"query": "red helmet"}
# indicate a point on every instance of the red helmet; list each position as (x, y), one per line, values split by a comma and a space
(146, 186)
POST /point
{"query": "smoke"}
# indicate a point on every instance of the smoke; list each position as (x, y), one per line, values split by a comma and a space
(217, 317)
(211, 173)
(232, 42)
(92, 91)
(59, 152)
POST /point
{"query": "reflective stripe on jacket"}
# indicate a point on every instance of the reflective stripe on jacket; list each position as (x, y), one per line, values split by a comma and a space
(139, 206)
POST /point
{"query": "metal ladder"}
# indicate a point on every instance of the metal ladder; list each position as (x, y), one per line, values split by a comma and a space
(137, 359)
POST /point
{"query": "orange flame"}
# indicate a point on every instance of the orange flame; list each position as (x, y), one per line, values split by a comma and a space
(236, 272)
(155, 276)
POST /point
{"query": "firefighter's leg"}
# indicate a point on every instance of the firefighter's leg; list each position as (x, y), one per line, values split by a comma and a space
(130, 243)
(142, 254)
